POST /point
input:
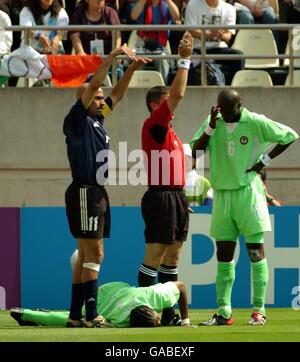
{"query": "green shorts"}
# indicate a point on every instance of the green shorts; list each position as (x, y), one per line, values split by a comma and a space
(243, 211)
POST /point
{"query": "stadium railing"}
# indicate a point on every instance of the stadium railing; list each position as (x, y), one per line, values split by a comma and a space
(293, 41)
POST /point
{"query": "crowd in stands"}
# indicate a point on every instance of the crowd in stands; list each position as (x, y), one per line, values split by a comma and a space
(114, 12)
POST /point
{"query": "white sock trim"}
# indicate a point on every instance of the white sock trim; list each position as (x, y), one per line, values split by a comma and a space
(147, 271)
(168, 270)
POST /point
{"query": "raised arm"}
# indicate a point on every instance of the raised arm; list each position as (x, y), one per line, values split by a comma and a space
(120, 88)
(98, 78)
(203, 140)
(137, 10)
(178, 87)
(174, 11)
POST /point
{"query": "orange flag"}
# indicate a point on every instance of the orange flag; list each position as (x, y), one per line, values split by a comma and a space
(72, 70)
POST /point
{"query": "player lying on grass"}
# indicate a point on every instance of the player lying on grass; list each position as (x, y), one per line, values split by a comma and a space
(121, 305)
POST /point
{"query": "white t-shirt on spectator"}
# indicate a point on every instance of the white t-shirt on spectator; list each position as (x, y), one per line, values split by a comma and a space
(198, 12)
(6, 37)
(27, 19)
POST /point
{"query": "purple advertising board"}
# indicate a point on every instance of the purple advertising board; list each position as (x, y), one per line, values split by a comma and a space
(9, 257)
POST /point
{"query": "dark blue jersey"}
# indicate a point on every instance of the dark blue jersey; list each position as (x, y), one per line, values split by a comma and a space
(85, 137)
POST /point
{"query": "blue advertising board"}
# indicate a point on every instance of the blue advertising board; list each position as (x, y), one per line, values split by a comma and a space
(46, 247)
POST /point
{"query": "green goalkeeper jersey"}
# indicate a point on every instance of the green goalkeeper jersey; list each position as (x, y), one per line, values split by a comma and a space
(117, 299)
(115, 302)
(235, 147)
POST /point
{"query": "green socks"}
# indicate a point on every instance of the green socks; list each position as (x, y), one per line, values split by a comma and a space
(260, 276)
(224, 283)
(51, 319)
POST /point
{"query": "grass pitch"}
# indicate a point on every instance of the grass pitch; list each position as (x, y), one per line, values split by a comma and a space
(283, 325)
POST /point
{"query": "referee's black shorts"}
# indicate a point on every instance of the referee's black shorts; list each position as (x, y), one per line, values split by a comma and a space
(165, 212)
(88, 210)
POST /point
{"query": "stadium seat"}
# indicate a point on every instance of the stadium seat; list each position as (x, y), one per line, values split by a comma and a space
(257, 42)
(146, 79)
(296, 79)
(252, 78)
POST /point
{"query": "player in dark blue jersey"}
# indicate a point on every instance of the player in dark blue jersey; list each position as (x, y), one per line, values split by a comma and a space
(87, 202)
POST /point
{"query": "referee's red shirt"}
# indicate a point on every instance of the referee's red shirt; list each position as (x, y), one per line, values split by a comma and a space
(165, 164)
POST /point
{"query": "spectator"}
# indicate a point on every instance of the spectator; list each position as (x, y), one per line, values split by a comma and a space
(6, 37)
(197, 188)
(255, 11)
(155, 12)
(215, 12)
(44, 12)
(70, 7)
(94, 12)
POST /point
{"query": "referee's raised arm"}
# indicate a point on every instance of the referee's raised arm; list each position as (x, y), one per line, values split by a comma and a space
(178, 87)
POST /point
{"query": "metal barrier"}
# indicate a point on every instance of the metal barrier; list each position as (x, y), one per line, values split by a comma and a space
(203, 56)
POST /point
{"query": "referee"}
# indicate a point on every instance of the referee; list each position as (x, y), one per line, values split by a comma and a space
(87, 203)
(164, 206)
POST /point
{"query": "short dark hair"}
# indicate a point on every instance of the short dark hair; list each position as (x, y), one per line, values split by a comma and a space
(154, 94)
(143, 316)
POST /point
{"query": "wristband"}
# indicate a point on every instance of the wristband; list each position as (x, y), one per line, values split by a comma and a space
(184, 63)
(209, 131)
(266, 160)
(270, 199)
(37, 35)
(185, 321)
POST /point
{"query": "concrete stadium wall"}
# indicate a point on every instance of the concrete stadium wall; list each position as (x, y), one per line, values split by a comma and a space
(33, 163)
